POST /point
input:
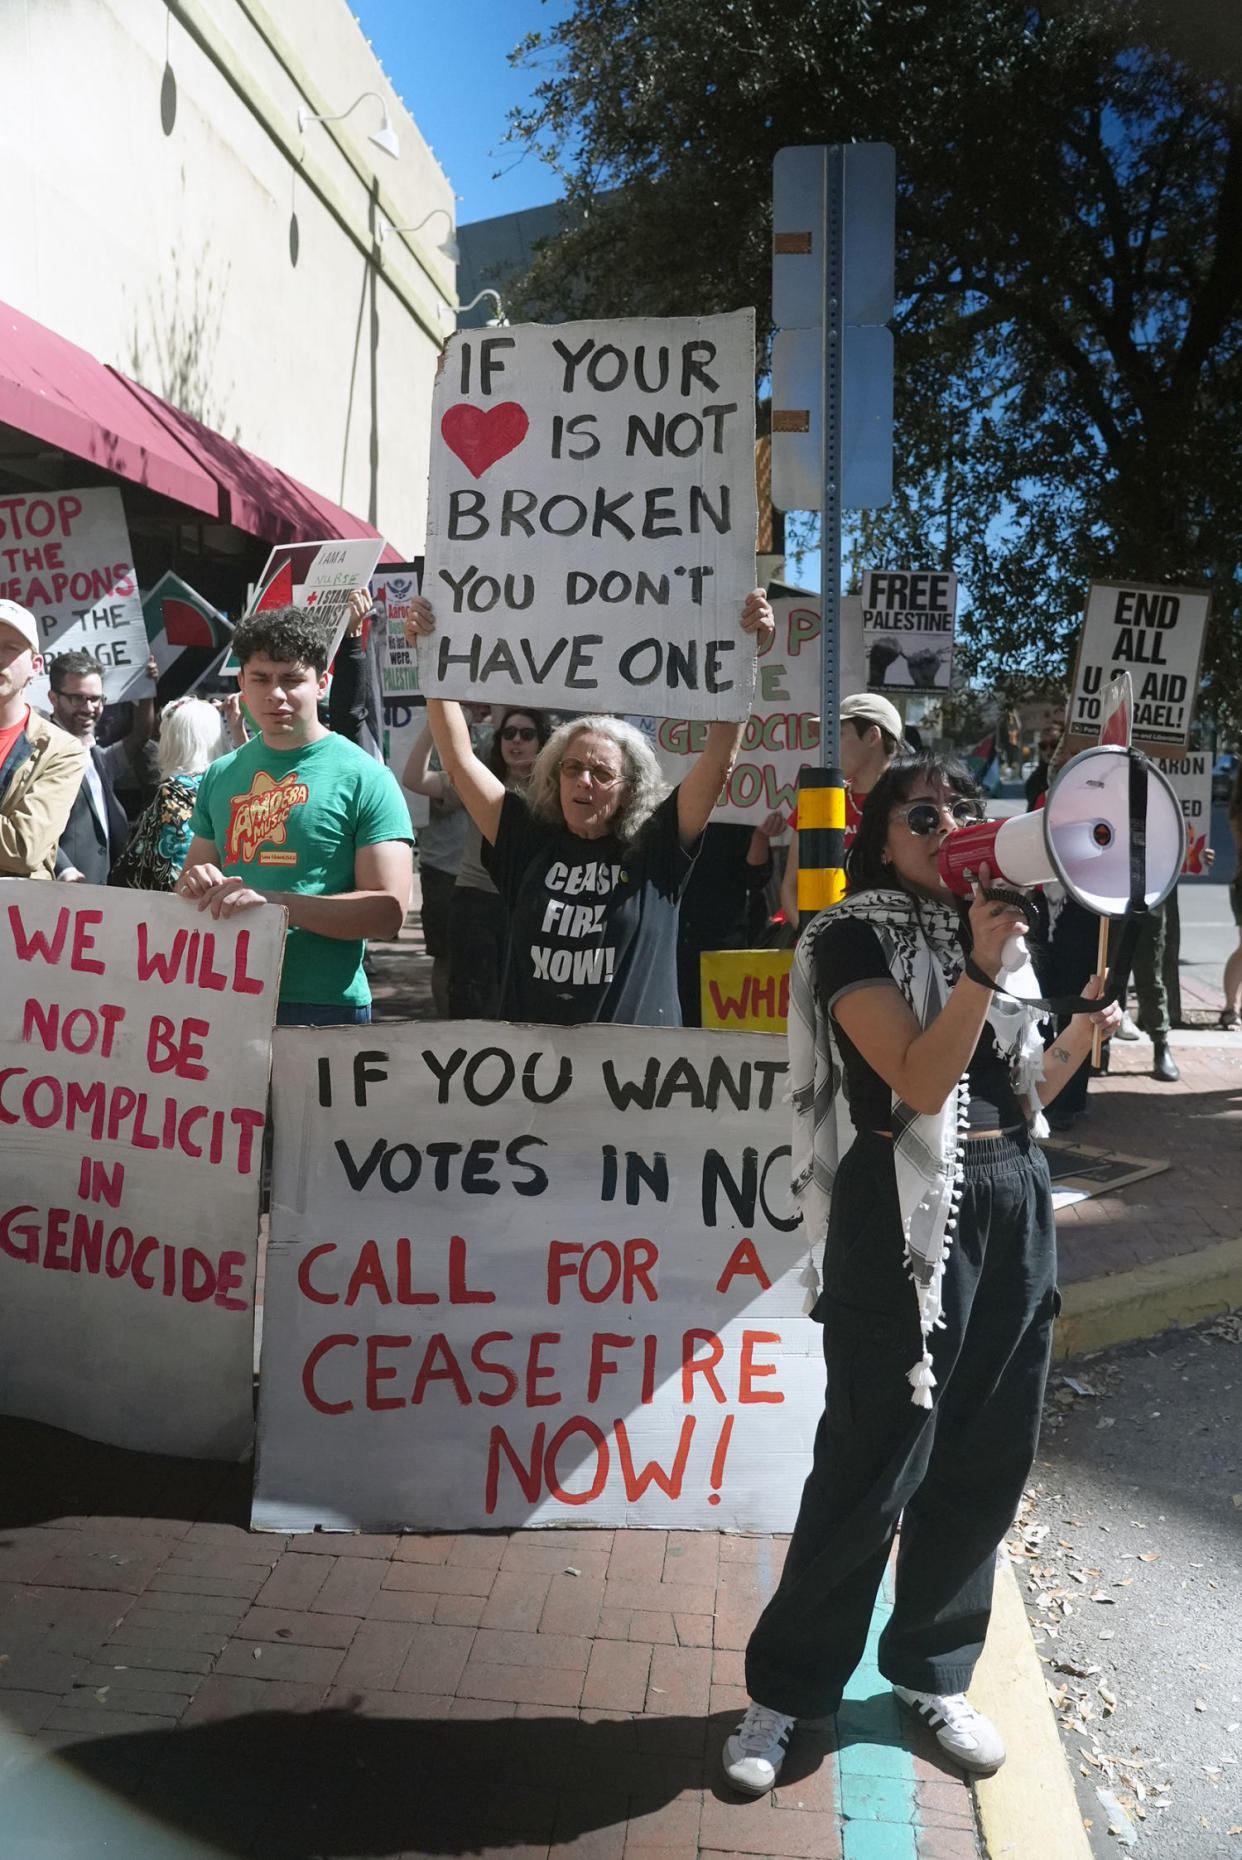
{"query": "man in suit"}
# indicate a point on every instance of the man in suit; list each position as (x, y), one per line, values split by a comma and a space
(97, 827)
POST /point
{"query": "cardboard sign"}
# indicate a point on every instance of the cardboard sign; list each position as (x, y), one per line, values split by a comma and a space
(1156, 634)
(782, 731)
(746, 989)
(392, 590)
(533, 1275)
(66, 556)
(908, 621)
(134, 1044)
(592, 517)
(1190, 777)
(319, 576)
(403, 724)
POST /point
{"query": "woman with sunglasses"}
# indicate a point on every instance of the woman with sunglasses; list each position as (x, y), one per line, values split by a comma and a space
(478, 921)
(593, 858)
(939, 1287)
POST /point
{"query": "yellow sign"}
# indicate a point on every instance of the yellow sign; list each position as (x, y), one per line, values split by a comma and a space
(747, 989)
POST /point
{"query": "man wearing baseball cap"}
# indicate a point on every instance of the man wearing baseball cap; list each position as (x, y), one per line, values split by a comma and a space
(871, 735)
(40, 765)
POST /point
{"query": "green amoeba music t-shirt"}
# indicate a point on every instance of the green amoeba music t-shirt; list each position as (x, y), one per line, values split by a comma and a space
(292, 820)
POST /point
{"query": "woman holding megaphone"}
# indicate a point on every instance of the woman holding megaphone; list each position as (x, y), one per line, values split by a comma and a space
(939, 1272)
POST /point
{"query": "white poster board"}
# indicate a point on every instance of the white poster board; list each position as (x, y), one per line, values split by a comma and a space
(533, 1275)
(782, 731)
(319, 576)
(66, 556)
(1190, 777)
(403, 724)
(392, 590)
(1154, 633)
(134, 1046)
(908, 627)
(592, 516)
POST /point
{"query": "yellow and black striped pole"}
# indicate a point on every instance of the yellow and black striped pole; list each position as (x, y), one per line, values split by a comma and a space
(821, 840)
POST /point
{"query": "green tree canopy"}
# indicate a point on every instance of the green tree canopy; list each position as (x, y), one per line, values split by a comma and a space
(1069, 330)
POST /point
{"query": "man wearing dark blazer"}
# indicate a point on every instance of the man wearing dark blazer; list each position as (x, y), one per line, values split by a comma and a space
(97, 827)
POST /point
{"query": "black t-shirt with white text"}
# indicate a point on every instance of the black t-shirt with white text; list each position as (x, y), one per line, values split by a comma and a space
(592, 923)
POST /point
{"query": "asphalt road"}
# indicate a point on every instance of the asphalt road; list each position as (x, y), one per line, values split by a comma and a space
(1130, 1555)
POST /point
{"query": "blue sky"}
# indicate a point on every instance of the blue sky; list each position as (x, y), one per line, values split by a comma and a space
(449, 64)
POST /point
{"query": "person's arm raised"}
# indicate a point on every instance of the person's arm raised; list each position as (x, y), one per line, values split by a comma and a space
(481, 793)
(923, 1065)
(697, 795)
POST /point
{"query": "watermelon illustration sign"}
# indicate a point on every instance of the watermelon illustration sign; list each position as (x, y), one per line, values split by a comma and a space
(177, 617)
(592, 516)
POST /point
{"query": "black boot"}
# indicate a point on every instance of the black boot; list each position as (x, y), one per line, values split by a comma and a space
(1163, 1065)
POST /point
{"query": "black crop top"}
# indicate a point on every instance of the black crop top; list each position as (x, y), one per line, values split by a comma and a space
(848, 956)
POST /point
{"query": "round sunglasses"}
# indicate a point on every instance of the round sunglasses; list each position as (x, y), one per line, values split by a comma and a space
(924, 817)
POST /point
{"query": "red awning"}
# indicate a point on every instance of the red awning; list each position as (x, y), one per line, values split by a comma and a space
(257, 497)
(63, 396)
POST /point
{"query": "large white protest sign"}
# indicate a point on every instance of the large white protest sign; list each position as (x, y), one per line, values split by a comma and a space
(66, 556)
(592, 516)
(392, 590)
(533, 1275)
(319, 576)
(134, 1045)
(1156, 634)
(782, 731)
(1190, 777)
(908, 622)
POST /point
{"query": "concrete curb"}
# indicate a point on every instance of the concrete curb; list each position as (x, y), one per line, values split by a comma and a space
(1123, 1307)
(1028, 1810)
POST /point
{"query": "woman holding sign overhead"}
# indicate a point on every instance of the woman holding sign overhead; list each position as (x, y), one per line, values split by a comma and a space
(593, 857)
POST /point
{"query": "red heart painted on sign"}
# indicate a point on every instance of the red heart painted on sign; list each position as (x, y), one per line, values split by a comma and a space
(481, 435)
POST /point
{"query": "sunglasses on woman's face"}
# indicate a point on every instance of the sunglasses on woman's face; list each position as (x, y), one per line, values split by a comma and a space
(924, 817)
(518, 733)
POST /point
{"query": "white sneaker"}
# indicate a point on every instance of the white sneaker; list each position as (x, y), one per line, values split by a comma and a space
(1127, 1030)
(962, 1732)
(754, 1753)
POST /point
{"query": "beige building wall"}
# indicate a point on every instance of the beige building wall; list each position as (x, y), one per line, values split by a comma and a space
(164, 212)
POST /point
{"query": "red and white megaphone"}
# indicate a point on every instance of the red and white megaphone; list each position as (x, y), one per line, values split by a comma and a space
(1080, 838)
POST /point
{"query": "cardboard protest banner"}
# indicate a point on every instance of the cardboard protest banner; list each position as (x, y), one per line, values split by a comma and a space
(782, 731)
(392, 590)
(1154, 633)
(746, 989)
(134, 1044)
(1190, 777)
(908, 622)
(403, 723)
(532, 1275)
(66, 556)
(319, 576)
(592, 516)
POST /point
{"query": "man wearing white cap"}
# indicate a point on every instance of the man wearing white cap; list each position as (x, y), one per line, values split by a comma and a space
(40, 765)
(871, 735)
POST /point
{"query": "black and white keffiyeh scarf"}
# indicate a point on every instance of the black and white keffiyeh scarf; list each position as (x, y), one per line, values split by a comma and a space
(921, 940)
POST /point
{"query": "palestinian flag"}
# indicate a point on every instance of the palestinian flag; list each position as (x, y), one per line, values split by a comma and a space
(983, 761)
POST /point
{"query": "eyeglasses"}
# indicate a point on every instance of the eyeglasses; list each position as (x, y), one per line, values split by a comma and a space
(79, 697)
(601, 776)
(516, 733)
(924, 817)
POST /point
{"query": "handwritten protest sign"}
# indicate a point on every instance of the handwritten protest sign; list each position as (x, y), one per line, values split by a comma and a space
(392, 590)
(1190, 777)
(532, 1275)
(592, 516)
(403, 724)
(782, 731)
(319, 576)
(134, 1041)
(746, 989)
(908, 622)
(1156, 634)
(66, 556)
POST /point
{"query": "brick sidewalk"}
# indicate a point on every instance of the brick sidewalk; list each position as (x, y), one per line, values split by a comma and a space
(528, 1694)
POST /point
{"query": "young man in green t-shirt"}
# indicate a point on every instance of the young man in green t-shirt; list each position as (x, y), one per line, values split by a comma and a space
(303, 818)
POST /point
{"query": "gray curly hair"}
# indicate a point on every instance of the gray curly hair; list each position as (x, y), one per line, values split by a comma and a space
(645, 786)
